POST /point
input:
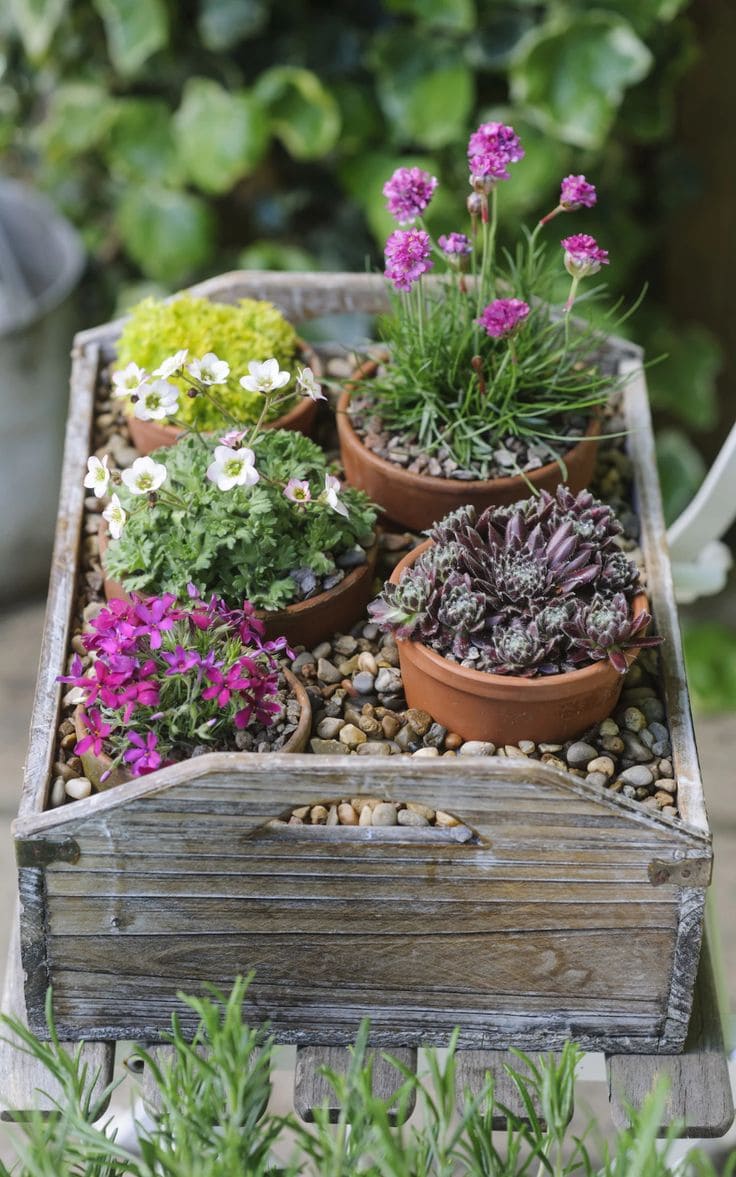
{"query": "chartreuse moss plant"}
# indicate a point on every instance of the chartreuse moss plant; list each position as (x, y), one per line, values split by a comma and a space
(237, 333)
(211, 1117)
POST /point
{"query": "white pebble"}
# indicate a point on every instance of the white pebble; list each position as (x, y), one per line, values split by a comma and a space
(78, 787)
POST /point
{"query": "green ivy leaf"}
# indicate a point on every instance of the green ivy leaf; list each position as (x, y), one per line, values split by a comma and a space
(643, 15)
(710, 655)
(141, 144)
(451, 16)
(220, 135)
(681, 470)
(426, 94)
(276, 255)
(78, 118)
(135, 30)
(364, 177)
(571, 74)
(304, 114)
(36, 22)
(224, 23)
(169, 234)
(684, 383)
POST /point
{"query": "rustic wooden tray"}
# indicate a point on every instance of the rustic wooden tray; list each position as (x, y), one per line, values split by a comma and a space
(570, 911)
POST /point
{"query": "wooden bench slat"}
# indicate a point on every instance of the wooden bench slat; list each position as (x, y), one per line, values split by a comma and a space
(700, 1089)
(472, 1068)
(312, 1089)
(25, 1085)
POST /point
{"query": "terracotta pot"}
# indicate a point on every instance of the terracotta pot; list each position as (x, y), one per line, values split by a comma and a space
(307, 622)
(504, 708)
(417, 501)
(148, 436)
(95, 766)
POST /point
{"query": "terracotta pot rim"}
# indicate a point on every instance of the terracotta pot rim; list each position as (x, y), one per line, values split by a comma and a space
(304, 407)
(482, 682)
(452, 486)
(296, 742)
(295, 610)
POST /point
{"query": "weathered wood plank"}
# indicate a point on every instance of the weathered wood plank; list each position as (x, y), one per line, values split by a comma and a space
(312, 1089)
(25, 1085)
(700, 1088)
(473, 1068)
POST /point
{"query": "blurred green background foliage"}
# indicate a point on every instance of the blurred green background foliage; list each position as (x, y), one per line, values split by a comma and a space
(185, 137)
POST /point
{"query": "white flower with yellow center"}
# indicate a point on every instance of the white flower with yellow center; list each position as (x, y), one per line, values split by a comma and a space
(115, 516)
(233, 468)
(97, 478)
(172, 366)
(157, 401)
(307, 384)
(265, 377)
(209, 370)
(331, 493)
(128, 380)
(144, 476)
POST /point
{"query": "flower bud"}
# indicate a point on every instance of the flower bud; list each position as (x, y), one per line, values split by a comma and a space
(475, 204)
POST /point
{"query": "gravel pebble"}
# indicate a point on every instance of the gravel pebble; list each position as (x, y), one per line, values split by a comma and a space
(384, 814)
(579, 754)
(639, 775)
(78, 787)
(477, 748)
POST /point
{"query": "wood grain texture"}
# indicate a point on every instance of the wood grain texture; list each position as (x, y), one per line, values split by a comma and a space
(473, 1069)
(700, 1088)
(25, 1085)
(312, 1088)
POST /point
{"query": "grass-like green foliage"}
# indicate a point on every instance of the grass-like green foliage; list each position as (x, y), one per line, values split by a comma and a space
(248, 330)
(242, 544)
(213, 1119)
(527, 385)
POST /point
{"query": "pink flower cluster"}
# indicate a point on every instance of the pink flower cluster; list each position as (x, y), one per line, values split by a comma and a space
(491, 149)
(408, 193)
(455, 243)
(408, 256)
(577, 192)
(503, 315)
(583, 255)
(161, 671)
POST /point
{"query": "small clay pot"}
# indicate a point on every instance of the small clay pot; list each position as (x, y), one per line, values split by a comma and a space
(305, 623)
(95, 766)
(504, 708)
(417, 501)
(148, 436)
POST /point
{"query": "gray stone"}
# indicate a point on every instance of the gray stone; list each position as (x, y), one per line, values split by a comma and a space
(346, 644)
(635, 750)
(659, 731)
(329, 727)
(477, 748)
(327, 747)
(634, 719)
(435, 736)
(638, 775)
(363, 682)
(370, 631)
(662, 748)
(384, 814)
(580, 754)
(327, 672)
(408, 817)
(323, 650)
(375, 748)
(388, 681)
(653, 709)
(597, 778)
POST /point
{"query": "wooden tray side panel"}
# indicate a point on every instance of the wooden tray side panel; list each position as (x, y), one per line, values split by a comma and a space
(546, 925)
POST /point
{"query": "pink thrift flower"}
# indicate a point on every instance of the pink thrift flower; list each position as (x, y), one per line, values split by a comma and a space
(408, 193)
(297, 491)
(407, 257)
(583, 255)
(576, 192)
(491, 148)
(503, 315)
(455, 243)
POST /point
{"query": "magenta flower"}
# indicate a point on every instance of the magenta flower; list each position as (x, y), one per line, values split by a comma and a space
(490, 149)
(408, 193)
(142, 757)
(576, 192)
(407, 257)
(455, 243)
(156, 616)
(97, 732)
(503, 315)
(180, 660)
(583, 255)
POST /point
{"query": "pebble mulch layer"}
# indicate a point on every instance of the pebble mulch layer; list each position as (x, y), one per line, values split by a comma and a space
(355, 685)
(370, 811)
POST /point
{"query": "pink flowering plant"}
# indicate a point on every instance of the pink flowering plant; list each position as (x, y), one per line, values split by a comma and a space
(161, 681)
(478, 353)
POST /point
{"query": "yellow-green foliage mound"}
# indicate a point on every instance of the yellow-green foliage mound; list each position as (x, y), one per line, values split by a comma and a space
(250, 330)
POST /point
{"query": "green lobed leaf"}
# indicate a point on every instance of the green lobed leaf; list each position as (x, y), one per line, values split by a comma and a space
(224, 23)
(141, 144)
(168, 234)
(710, 655)
(451, 16)
(79, 117)
(684, 383)
(681, 470)
(135, 30)
(571, 74)
(220, 135)
(426, 92)
(36, 22)
(304, 114)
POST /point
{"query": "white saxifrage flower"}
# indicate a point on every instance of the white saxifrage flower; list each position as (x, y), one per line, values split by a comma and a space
(307, 384)
(97, 478)
(173, 365)
(128, 380)
(156, 401)
(331, 493)
(144, 476)
(209, 370)
(233, 468)
(265, 377)
(115, 516)
(297, 491)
